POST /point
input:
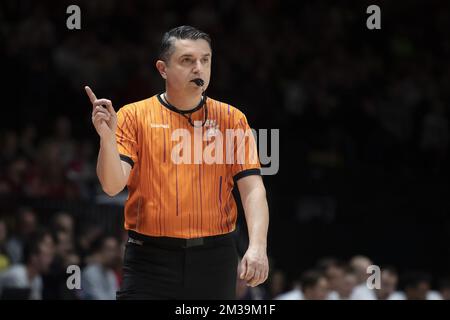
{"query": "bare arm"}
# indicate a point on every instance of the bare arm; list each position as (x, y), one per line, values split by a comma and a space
(254, 264)
(111, 171)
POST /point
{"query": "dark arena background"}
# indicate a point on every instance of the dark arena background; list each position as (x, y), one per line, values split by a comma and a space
(363, 119)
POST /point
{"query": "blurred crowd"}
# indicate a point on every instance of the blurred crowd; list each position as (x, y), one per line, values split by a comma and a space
(346, 98)
(355, 279)
(358, 110)
(56, 166)
(35, 260)
(35, 256)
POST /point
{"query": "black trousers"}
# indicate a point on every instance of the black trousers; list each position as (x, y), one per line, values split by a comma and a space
(168, 268)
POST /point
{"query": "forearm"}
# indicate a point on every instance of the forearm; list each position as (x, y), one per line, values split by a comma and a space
(109, 167)
(257, 217)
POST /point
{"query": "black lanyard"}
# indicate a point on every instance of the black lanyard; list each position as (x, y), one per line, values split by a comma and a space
(201, 104)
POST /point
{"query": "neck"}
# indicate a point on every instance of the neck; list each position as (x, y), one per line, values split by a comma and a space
(183, 101)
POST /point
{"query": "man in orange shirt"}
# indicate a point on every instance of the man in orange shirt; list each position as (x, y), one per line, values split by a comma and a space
(180, 154)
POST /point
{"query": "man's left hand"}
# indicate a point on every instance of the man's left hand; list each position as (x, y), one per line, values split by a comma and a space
(254, 266)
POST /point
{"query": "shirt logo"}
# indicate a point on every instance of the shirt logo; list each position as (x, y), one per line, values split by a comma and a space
(212, 128)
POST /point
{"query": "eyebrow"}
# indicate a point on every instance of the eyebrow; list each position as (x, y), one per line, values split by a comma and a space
(190, 55)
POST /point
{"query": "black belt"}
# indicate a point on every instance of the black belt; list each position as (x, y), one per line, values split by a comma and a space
(142, 240)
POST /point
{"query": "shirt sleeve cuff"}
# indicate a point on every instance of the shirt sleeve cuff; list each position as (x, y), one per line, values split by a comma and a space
(127, 159)
(245, 173)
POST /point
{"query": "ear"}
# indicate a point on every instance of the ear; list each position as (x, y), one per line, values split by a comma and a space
(161, 66)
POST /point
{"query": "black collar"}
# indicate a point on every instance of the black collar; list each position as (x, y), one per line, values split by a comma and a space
(175, 109)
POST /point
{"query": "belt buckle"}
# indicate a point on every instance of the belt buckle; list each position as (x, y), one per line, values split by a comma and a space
(135, 241)
(194, 242)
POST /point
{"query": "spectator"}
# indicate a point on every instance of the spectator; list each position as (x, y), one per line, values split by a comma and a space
(359, 265)
(344, 288)
(314, 286)
(25, 226)
(63, 222)
(294, 294)
(388, 286)
(334, 272)
(98, 280)
(87, 234)
(38, 255)
(55, 286)
(417, 285)
(277, 282)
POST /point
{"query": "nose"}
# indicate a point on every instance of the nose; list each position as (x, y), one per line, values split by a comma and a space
(197, 67)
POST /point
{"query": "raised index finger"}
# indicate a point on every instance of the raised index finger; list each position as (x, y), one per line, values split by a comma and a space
(90, 94)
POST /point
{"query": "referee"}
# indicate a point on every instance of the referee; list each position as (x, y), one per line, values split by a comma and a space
(180, 212)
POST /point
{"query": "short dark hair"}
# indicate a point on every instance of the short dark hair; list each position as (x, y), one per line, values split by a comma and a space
(390, 269)
(33, 244)
(99, 243)
(326, 263)
(182, 32)
(311, 278)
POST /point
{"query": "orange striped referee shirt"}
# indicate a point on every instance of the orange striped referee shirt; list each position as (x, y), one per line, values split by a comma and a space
(179, 186)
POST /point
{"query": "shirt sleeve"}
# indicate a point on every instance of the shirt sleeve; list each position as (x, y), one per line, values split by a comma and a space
(126, 135)
(245, 160)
